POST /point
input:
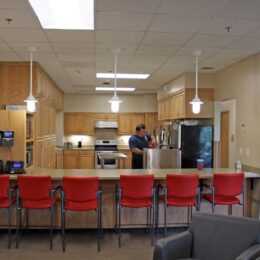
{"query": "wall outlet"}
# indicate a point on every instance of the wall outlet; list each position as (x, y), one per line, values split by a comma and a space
(247, 152)
(241, 151)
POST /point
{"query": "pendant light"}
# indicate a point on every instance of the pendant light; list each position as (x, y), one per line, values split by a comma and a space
(196, 102)
(115, 101)
(31, 101)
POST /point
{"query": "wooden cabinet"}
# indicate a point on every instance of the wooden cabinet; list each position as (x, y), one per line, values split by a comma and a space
(47, 90)
(45, 120)
(151, 121)
(105, 117)
(78, 123)
(127, 163)
(78, 159)
(177, 106)
(128, 121)
(45, 155)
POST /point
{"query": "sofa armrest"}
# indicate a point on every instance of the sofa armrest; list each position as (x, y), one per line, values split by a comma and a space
(251, 253)
(173, 247)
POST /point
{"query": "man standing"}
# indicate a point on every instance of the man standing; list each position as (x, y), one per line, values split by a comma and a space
(137, 143)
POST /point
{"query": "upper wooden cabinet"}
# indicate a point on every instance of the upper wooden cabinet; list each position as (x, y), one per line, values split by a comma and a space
(14, 85)
(151, 121)
(128, 121)
(105, 117)
(78, 123)
(46, 90)
(177, 106)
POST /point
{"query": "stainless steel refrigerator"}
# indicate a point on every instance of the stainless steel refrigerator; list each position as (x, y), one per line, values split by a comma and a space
(194, 142)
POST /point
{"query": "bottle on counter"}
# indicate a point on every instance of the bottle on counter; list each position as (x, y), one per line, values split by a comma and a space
(238, 166)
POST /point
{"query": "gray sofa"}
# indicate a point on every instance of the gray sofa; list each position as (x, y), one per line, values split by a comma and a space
(213, 237)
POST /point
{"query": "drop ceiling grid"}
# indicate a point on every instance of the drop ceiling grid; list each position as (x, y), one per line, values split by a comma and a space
(158, 37)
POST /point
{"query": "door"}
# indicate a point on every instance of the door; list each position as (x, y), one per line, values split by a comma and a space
(224, 140)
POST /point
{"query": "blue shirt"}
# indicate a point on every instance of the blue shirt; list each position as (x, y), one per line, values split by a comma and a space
(138, 142)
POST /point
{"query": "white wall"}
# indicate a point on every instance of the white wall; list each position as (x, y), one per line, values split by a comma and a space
(99, 103)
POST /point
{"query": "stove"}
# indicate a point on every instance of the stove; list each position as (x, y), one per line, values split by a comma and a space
(106, 146)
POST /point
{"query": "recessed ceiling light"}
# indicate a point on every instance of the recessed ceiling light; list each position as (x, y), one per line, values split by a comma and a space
(121, 76)
(126, 89)
(69, 14)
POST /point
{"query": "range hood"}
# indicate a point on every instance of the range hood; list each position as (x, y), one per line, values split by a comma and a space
(106, 124)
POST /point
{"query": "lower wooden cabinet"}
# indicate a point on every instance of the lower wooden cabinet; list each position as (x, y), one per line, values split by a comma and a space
(78, 159)
(127, 163)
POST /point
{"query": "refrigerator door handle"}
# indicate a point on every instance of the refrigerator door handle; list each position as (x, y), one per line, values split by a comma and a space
(179, 137)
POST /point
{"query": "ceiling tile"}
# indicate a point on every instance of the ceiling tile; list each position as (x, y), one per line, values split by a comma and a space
(177, 23)
(37, 56)
(242, 9)
(233, 54)
(218, 25)
(21, 19)
(23, 46)
(156, 50)
(75, 57)
(118, 37)
(9, 56)
(122, 21)
(136, 6)
(69, 47)
(175, 39)
(210, 40)
(75, 36)
(22, 35)
(14, 4)
(247, 43)
(102, 48)
(188, 51)
(198, 7)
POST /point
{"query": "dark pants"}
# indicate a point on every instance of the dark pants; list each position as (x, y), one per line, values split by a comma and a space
(137, 163)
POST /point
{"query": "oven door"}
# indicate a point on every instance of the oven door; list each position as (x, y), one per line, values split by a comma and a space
(109, 164)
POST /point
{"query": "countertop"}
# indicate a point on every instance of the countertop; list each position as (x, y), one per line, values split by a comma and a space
(114, 174)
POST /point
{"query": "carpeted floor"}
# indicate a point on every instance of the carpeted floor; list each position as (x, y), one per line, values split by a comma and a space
(34, 245)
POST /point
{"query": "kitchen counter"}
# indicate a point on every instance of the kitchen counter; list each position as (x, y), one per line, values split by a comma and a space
(114, 174)
(109, 178)
(85, 147)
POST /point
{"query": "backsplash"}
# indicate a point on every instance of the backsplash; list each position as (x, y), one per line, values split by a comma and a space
(100, 134)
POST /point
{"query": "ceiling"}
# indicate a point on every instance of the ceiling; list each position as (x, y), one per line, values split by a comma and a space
(156, 37)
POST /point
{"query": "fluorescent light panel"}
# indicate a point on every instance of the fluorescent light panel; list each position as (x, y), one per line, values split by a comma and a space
(121, 76)
(65, 14)
(126, 89)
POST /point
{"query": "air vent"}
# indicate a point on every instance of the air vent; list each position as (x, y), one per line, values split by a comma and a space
(207, 68)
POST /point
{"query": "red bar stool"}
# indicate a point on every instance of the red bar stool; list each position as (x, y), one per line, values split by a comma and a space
(181, 191)
(225, 189)
(81, 194)
(6, 201)
(35, 192)
(136, 191)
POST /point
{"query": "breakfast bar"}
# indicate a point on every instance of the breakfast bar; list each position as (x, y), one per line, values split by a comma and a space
(109, 178)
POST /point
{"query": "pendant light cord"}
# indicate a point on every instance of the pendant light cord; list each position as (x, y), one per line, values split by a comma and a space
(115, 82)
(196, 75)
(31, 71)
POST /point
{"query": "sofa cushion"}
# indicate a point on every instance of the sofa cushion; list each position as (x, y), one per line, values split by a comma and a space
(222, 237)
